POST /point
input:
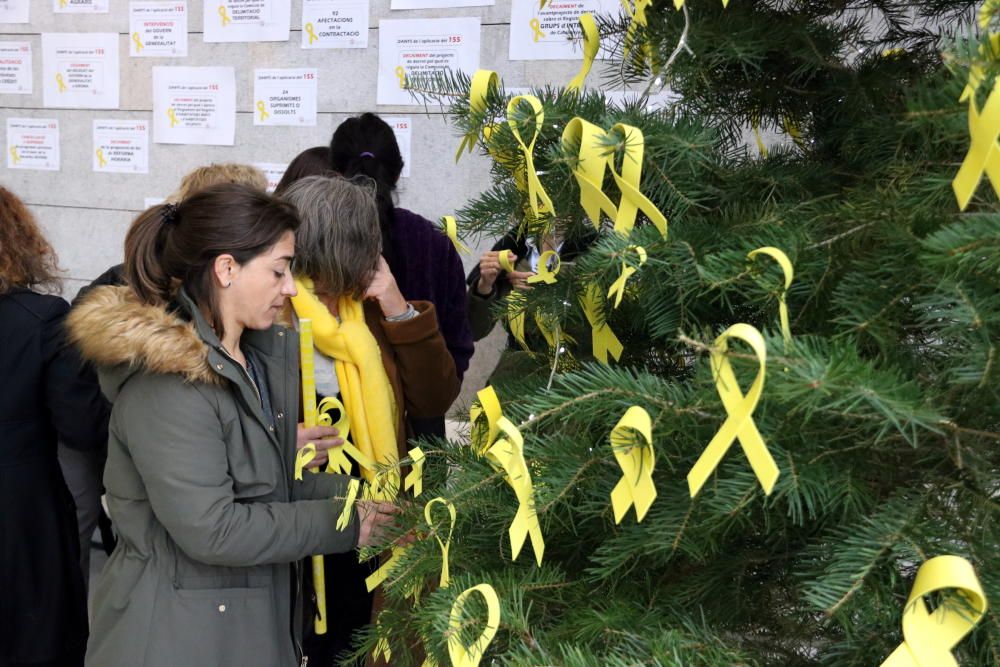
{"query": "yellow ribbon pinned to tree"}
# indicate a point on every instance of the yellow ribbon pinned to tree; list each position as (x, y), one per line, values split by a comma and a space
(548, 326)
(311, 32)
(977, 71)
(262, 110)
(604, 339)
(508, 453)
(482, 81)
(378, 577)
(224, 16)
(786, 267)
(739, 410)
(591, 45)
(590, 166)
(536, 30)
(545, 274)
(636, 11)
(930, 636)
(516, 303)
(793, 131)
(489, 406)
(137, 41)
(629, 181)
(983, 155)
(617, 288)
(680, 3)
(415, 478)
(172, 115)
(470, 656)
(538, 199)
(60, 82)
(101, 161)
(451, 231)
(636, 459)
(444, 544)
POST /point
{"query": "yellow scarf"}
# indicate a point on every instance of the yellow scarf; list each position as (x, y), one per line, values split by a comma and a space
(364, 385)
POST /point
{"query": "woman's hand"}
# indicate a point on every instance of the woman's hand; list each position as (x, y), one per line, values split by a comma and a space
(489, 269)
(519, 280)
(375, 517)
(324, 437)
(383, 289)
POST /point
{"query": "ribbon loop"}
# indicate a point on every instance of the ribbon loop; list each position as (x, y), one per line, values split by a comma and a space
(538, 200)
(470, 656)
(983, 156)
(451, 231)
(311, 32)
(61, 82)
(636, 459)
(489, 405)
(172, 115)
(101, 160)
(483, 81)
(401, 75)
(617, 288)
(629, 181)
(536, 30)
(224, 16)
(739, 422)
(544, 273)
(262, 110)
(303, 458)
(590, 166)
(516, 304)
(444, 544)
(137, 41)
(786, 267)
(591, 45)
(415, 478)
(508, 454)
(604, 339)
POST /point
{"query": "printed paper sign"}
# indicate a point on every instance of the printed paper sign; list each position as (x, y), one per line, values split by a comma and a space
(545, 34)
(158, 29)
(402, 127)
(274, 171)
(194, 105)
(14, 11)
(80, 6)
(80, 70)
(15, 68)
(121, 146)
(416, 47)
(247, 20)
(284, 97)
(335, 24)
(33, 143)
(439, 4)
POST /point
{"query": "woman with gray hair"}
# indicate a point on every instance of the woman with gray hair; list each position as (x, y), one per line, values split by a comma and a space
(383, 356)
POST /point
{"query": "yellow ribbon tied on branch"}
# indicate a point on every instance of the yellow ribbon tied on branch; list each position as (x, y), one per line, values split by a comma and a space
(983, 155)
(446, 543)
(545, 274)
(591, 164)
(591, 45)
(629, 180)
(482, 82)
(415, 478)
(516, 305)
(636, 459)
(503, 159)
(538, 199)
(930, 636)
(617, 288)
(636, 11)
(470, 655)
(786, 268)
(604, 339)
(488, 406)
(739, 409)
(451, 231)
(508, 453)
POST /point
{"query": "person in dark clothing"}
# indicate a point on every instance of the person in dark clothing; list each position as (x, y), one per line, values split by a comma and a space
(313, 161)
(47, 397)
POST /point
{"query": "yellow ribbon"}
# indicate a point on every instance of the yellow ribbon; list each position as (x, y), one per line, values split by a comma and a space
(415, 478)
(311, 32)
(451, 230)
(793, 131)
(604, 339)
(401, 75)
(262, 110)
(536, 30)
(137, 41)
(319, 588)
(444, 544)
(382, 649)
(739, 409)
(930, 636)
(786, 267)
(470, 656)
(303, 458)
(761, 147)
(13, 154)
(680, 3)
(352, 495)
(617, 288)
(986, 13)
(173, 117)
(101, 162)
(538, 199)
(590, 167)
(508, 453)
(482, 81)
(516, 302)
(377, 577)
(548, 326)
(629, 180)
(60, 82)
(544, 273)
(983, 155)
(488, 406)
(504, 258)
(636, 459)
(224, 16)
(323, 418)
(591, 45)
(977, 71)
(62, 3)
(636, 10)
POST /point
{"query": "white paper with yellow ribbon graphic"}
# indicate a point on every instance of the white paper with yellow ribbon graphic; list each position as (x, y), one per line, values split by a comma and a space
(739, 422)
(80, 70)
(479, 88)
(285, 97)
(451, 231)
(508, 454)
(617, 289)
(335, 24)
(582, 140)
(121, 146)
(470, 655)
(158, 29)
(530, 126)
(632, 444)
(551, 31)
(789, 273)
(591, 45)
(194, 105)
(247, 20)
(930, 636)
(436, 531)
(33, 143)
(604, 340)
(482, 435)
(80, 6)
(629, 181)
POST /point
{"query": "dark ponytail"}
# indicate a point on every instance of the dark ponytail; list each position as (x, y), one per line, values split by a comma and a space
(365, 145)
(169, 246)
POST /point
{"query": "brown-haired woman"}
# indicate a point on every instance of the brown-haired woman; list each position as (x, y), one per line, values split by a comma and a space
(44, 397)
(202, 441)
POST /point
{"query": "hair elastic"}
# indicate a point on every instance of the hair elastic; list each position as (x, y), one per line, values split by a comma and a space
(367, 154)
(169, 213)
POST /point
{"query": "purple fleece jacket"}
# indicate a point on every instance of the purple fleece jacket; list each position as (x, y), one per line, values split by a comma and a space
(427, 268)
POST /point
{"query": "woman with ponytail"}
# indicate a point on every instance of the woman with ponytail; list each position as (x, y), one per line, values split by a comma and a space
(200, 477)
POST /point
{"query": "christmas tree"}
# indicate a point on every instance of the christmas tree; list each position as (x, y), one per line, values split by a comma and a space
(862, 423)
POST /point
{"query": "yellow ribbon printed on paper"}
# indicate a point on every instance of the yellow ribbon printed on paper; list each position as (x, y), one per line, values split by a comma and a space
(591, 45)
(591, 164)
(739, 409)
(538, 199)
(636, 459)
(482, 82)
(463, 655)
(445, 544)
(930, 636)
(786, 268)
(508, 453)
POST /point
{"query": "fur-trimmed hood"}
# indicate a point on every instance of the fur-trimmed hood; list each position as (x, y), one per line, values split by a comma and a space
(121, 335)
